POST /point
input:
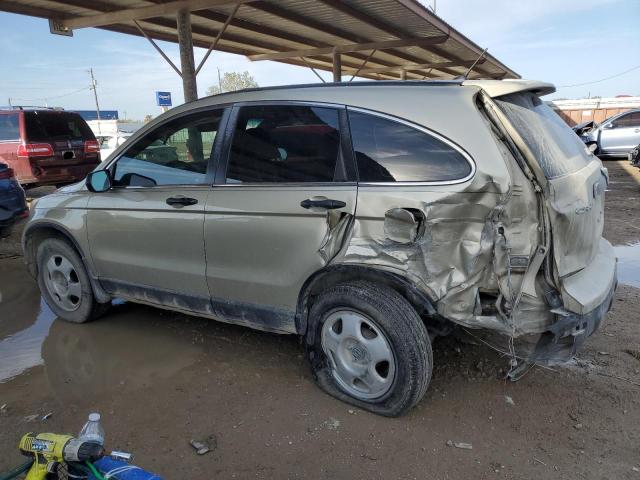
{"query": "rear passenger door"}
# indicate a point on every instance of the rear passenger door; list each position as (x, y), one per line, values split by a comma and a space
(286, 187)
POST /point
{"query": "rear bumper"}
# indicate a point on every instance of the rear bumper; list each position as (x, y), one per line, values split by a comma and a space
(55, 175)
(568, 334)
(12, 203)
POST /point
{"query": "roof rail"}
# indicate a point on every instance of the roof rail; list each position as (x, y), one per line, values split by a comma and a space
(30, 107)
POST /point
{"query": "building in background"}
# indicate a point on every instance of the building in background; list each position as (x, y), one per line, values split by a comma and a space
(583, 110)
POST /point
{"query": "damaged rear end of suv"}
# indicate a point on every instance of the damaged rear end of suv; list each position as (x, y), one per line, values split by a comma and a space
(369, 218)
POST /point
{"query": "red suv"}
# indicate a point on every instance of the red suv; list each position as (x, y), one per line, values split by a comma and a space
(47, 146)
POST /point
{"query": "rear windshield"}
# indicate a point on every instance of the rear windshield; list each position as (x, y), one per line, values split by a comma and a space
(56, 126)
(558, 150)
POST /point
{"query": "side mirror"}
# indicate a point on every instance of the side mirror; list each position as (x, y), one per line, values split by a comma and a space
(592, 147)
(99, 181)
(608, 126)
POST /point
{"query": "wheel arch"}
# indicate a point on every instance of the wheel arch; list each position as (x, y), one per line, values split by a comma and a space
(37, 232)
(335, 274)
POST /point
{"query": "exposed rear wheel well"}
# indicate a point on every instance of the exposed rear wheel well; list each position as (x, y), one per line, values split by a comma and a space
(334, 275)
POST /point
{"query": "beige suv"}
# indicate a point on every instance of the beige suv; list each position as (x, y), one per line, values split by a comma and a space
(368, 218)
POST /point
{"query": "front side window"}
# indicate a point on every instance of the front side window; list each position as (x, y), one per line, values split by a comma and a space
(284, 143)
(630, 120)
(9, 127)
(389, 151)
(176, 153)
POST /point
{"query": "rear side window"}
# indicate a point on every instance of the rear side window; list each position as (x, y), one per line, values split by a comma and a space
(284, 143)
(56, 126)
(556, 148)
(9, 127)
(389, 151)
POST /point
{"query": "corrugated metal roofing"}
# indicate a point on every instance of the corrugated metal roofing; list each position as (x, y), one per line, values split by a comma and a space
(268, 26)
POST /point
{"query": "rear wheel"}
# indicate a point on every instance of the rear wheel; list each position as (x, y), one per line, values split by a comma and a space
(65, 284)
(369, 347)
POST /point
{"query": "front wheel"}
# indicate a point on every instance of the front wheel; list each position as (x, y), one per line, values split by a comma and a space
(65, 284)
(368, 346)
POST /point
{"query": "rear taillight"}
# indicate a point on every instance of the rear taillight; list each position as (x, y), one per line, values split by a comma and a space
(7, 173)
(35, 150)
(91, 146)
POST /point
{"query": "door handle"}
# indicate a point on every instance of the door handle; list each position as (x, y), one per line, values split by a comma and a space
(327, 204)
(178, 202)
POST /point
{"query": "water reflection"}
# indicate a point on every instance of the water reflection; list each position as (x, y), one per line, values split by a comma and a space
(132, 347)
(22, 350)
(629, 264)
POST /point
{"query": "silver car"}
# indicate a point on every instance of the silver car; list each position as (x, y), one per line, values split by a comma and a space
(368, 218)
(617, 135)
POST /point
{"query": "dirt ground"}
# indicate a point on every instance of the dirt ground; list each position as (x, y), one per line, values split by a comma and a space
(161, 379)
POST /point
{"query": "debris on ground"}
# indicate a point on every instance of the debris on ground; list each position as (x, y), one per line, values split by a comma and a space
(578, 426)
(539, 461)
(634, 353)
(509, 400)
(463, 445)
(332, 423)
(47, 416)
(603, 353)
(31, 418)
(204, 446)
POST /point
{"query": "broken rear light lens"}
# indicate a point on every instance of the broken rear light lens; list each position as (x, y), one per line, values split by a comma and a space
(91, 146)
(35, 150)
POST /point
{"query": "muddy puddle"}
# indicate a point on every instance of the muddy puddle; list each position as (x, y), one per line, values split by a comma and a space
(629, 264)
(132, 347)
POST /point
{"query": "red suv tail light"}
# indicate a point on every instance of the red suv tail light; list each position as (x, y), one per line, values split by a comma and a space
(6, 174)
(91, 146)
(35, 150)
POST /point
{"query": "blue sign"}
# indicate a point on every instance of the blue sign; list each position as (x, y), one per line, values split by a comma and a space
(163, 99)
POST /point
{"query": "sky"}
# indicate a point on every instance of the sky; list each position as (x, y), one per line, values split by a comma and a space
(566, 42)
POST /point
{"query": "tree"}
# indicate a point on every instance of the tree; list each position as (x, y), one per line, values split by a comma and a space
(232, 81)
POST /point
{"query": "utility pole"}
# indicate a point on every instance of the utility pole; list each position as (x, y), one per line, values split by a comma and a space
(95, 95)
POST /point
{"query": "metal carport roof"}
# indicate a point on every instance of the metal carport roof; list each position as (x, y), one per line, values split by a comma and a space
(376, 39)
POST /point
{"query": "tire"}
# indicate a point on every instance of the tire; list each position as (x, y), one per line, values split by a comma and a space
(354, 325)
(65, 284)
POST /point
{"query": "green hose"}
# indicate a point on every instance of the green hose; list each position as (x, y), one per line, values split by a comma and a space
(94, 470)
(16, 471)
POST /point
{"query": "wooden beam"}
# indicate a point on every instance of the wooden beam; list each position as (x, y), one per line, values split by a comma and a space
(352, 47)
(129, 14)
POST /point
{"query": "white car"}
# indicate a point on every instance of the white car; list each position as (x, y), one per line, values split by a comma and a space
(108, 144)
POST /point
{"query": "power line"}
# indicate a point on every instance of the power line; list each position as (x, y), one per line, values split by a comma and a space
(54, 97)
(602, 79)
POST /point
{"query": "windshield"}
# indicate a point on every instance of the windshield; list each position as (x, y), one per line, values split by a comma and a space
(558, 150)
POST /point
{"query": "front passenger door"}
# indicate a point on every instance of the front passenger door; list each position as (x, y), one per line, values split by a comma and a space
(145, 234)
(621, 135)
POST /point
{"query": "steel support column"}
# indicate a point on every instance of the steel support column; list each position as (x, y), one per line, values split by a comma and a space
(337, 67)
(185, 41)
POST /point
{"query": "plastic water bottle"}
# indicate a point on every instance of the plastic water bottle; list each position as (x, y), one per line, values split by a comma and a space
(92, 430)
